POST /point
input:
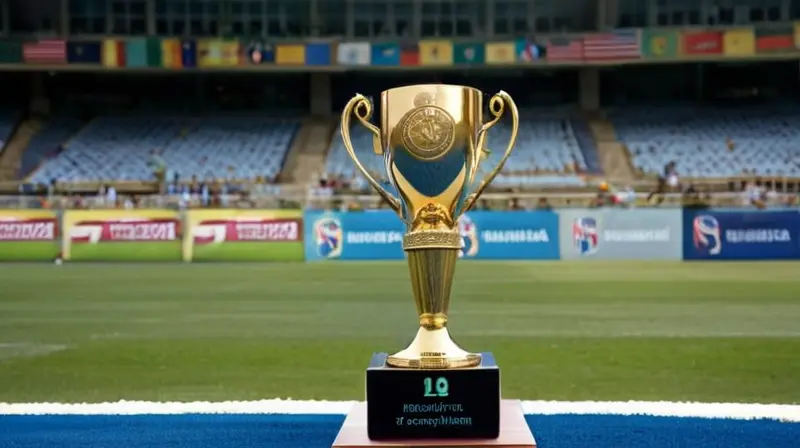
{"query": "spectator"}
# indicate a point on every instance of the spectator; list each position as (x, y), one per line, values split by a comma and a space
(543, 205)
(111, 196)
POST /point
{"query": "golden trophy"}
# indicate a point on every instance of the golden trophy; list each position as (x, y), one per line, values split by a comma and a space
(433, 393)
(432, 138)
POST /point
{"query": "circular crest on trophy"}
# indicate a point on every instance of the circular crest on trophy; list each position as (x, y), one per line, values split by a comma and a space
(428, 131)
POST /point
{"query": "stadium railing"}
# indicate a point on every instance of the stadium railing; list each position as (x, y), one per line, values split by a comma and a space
(296, 200)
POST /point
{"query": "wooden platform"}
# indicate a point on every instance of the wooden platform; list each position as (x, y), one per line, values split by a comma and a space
(514, 432)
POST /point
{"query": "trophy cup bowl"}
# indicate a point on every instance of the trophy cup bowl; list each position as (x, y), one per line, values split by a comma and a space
(433, 139)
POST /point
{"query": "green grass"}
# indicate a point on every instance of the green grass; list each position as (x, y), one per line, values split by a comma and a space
(127, 251)
(29, 250)
(560, 330)
(249, 251)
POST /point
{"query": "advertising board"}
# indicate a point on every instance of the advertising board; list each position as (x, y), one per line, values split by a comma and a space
(738, 235)
(621, 234)
(121, 235)
(367, 235)
(378, 235)
(28, 235)
(243, 235)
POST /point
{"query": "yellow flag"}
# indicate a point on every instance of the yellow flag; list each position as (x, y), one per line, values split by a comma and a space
(218, 53)
(436, 52)
(111, 56)
(171, 53)
(797, 35)
(500, 53)
(290, 54)
(741, 42)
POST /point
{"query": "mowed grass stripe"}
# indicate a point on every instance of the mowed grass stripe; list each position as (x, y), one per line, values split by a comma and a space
(561, 330)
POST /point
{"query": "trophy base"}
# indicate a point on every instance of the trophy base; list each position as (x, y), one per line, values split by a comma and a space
(406, 404)
(514, 432)
(433, 349)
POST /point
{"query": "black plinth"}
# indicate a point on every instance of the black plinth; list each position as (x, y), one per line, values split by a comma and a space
(433, 404)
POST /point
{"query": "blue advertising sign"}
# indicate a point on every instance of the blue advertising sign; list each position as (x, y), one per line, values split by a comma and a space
(510, 235)
(378, 235)
(732, 235)
(368, 235)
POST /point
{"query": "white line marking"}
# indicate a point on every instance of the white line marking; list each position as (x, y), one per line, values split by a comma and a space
(743, 411)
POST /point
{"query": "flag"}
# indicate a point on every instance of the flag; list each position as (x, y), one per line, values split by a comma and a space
(702, 43)
(774, 39)
(796, 33)
(619, 44)
(741, 42)
(436, 52)
(564, 49)
(113, 53)
(354, 53)
(318, 53)
(217, 53)
(258, 52)
(136, 53)
(189, 53)
(660, 44)
(10, 52)
(84, 52)
(499, 53)
(386, 54)
(409, 55)
(468, 53)
(51, 51)
(171, 53)
(154, 52)
(294, 54)
(526, 50)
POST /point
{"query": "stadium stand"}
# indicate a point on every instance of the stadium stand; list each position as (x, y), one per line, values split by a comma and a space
(8, 119)
(547, 152)
(714, 143)
(46, 143)
(120, 148)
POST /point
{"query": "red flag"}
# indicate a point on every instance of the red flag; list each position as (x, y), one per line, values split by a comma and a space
(51, 51)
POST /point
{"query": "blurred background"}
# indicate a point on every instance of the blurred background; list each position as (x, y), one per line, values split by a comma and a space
(235, 103)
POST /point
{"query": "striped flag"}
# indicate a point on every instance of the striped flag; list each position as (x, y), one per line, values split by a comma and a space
(620, 44)
(51, 51)
(564, 49)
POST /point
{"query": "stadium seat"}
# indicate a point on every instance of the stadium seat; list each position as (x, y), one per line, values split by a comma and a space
(119, 148)
(764, 143)
(546, 152)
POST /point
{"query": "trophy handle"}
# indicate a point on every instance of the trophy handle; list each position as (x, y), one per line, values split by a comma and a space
(497, 107)
(361, 107)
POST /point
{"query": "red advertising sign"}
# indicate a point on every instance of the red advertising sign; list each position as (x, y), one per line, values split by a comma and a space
(247, 229)
(702, 43)
(34, 229)
(125, 230)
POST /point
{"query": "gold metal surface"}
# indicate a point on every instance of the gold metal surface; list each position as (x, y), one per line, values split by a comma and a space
(427, 130)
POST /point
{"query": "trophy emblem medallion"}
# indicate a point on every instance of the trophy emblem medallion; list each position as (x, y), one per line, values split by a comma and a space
(428, 132)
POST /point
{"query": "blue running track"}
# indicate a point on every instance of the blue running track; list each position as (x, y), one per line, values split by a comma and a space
(319, 431)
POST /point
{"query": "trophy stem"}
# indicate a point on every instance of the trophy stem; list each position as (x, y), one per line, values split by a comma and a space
(432, 271)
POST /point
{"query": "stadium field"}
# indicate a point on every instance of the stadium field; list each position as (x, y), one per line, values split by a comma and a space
(707, 332)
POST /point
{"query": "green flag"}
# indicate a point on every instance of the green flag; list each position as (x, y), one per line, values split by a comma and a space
(660, 44)
(468, 53)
